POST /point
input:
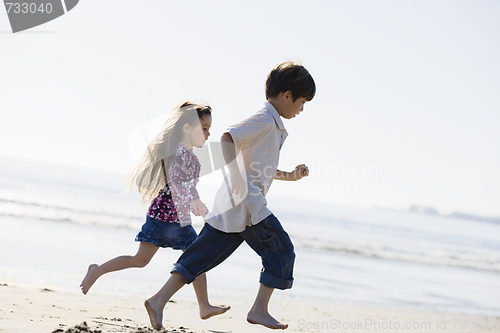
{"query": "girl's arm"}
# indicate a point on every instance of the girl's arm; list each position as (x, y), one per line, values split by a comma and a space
(183, 185)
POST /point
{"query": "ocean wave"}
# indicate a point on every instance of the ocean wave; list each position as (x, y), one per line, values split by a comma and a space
(16, 208)
(62, 208)
(391, 242)
(472, 259)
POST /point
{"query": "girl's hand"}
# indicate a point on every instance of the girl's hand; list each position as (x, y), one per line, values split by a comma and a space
(198, 208)
(300, 171)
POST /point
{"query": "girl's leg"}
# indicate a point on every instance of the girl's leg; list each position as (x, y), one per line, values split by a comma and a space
(206, 309)
(143, 256)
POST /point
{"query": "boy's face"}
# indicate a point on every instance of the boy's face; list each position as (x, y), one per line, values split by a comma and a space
(290, 108)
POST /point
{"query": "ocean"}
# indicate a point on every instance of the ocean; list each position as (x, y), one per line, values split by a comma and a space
(56, 220)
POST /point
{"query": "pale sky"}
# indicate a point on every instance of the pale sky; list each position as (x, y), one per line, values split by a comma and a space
(406, 113)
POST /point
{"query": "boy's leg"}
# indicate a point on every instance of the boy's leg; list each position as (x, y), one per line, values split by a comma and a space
(274, 246)
(259, 314)
(143, 256)
(156, 304)
(210, 248)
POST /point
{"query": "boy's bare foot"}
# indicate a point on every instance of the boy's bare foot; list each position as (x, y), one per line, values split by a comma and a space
(266, 320)
(89, 278)
(155, 317)
(211, 311)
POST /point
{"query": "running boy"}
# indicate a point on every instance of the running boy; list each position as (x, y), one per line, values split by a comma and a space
(251, 150)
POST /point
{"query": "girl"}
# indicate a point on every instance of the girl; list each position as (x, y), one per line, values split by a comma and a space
(167, 174)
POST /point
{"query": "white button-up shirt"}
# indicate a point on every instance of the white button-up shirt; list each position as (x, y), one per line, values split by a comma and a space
(259, 139)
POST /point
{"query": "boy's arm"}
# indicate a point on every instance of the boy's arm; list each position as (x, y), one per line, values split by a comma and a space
(229, 151)
(299, 172)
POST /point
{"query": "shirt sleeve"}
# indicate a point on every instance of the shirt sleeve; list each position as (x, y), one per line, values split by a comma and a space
(250, 129)
(183, 182)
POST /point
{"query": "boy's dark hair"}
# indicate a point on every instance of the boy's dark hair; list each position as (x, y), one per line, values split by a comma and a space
(290, 76)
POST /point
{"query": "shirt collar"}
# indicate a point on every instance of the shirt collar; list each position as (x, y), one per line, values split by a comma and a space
(268, 106)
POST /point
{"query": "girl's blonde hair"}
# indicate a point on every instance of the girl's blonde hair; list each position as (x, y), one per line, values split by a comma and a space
(151, 173)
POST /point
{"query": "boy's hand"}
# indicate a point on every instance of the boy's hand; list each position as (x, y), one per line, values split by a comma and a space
(238, 185)
(198, 208)
(300, 171)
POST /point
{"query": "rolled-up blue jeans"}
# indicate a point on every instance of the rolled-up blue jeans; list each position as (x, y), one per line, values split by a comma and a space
(267, 238)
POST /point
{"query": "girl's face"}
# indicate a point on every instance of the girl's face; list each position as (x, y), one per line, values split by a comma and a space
(206, 123)
(198, 134)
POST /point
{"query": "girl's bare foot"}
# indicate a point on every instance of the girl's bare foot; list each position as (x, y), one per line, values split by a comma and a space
(265, 319)
(155, 316)
(89, 278)
(211, 311)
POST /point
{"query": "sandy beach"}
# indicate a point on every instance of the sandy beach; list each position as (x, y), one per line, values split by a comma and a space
(30, 308)
(396, 228)
(355, 270)
(39, 290)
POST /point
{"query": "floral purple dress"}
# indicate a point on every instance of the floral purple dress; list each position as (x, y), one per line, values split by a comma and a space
(168, 221)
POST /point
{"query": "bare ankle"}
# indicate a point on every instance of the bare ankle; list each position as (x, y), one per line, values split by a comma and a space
(210, 311)
(155, 314)
(260, 316)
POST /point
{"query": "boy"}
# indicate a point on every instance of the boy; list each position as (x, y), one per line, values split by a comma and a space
(240, 211)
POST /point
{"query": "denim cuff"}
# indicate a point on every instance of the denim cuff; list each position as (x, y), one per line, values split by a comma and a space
(274, 282)
(188, 277)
